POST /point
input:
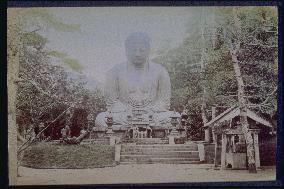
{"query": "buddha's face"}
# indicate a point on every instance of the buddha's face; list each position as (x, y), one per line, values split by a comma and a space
(137, 52)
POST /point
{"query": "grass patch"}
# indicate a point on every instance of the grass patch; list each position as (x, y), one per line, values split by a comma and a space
(47, 155)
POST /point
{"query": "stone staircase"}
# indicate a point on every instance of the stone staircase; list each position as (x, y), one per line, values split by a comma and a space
(159, 153)
(151, 141)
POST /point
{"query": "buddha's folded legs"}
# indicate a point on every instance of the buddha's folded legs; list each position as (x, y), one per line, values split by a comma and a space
(160, 119)
(163, 118)
(118, 119)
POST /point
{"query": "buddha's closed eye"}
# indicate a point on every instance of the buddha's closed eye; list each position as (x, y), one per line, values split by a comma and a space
(132, 91)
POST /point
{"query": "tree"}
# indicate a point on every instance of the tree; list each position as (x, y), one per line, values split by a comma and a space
(13, 50)
(192, 67)
(239, 55)
(39, 77)
(241, 39)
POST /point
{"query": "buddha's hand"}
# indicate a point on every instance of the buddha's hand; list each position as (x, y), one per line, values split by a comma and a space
(156, 109)
(151, 112)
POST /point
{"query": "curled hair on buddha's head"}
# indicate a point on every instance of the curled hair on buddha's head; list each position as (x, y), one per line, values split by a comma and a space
(138, 37)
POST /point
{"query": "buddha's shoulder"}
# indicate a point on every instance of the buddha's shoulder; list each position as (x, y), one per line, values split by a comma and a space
(157, 67)
(118, 68)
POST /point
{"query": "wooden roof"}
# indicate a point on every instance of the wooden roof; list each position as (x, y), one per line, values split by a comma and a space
(233, 112)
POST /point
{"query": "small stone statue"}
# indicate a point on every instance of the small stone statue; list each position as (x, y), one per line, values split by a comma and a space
(74, 140)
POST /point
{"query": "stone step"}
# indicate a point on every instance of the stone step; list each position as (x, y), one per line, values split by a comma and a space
(106, 143)
(176, 147)
(158, 150)
(164, 153)
(152, 138)
(163, 162)
(152, 141)
(159, 153)
(184, 155)
(158, 160)
(145, 140)
(162, 145)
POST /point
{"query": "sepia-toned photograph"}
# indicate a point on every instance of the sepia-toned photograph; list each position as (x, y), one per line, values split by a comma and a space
(139, 95)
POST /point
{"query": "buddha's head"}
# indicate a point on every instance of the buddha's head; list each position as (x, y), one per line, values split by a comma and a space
(137, 47)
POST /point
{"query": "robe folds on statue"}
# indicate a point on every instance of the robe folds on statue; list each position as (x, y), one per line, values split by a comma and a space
(128, 88)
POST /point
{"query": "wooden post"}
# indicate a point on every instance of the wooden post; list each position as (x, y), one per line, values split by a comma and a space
(215, 139)
(223, 153)
(214, 136)
(213, 113)
(213, 116)
(256, 149)
(207, 134)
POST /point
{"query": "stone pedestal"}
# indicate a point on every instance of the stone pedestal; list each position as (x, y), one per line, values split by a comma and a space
(121, 133)
(112, 140)
(109, 132)
(174, 132)
(117, 150)
(171, 139)
(201, 151)
(159, 133)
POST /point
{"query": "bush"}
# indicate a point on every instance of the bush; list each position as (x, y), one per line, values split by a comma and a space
(48, 155)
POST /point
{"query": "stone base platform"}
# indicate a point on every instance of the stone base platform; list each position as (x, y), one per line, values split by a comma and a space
(120, 132)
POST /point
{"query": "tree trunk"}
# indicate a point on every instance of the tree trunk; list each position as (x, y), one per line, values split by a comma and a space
(243, 117)
(204, 118)
(242, 101)
(13, 41)
(202, 65)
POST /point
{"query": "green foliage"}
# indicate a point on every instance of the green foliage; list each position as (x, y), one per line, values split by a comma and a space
(73, 64)
(46, 155)
(34, 39)
(70, 62)
(43, 17)
(207, 44)
(46, 89)
(57, 54)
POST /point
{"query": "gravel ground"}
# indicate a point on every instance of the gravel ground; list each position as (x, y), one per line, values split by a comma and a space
(139, 173)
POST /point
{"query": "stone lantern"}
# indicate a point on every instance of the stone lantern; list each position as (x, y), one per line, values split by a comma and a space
(109, 122)
(90, 119)
(174, 133)
(109, 133)
(174, 121)
(184, 117)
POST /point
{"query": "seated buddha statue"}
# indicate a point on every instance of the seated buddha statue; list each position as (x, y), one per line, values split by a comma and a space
(137, 84)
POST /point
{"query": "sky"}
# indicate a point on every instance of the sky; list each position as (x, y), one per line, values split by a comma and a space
(100, 44)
